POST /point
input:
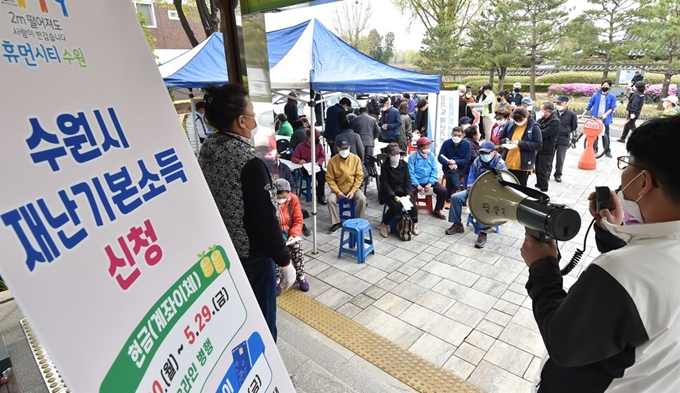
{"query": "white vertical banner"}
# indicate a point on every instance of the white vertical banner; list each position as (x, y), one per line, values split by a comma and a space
(111, 242)
(447, 116)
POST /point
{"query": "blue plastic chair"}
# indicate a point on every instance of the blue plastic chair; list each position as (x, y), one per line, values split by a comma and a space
(477, 226)
(346, 209)
(305, 190)
(393, 222)
(357, 244)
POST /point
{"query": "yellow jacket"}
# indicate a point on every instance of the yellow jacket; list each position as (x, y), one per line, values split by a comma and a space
(344, 174)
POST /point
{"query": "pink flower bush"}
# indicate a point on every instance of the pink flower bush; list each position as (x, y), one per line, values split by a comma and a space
(654, 91)
(574, 89)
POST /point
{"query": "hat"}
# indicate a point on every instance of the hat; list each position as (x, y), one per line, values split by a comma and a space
(281, 185)
(393, 149)
(527, 101)
(316, 133)
(465, 120)
(383, 100)
(562, 99)
(672, 99)
(422, 141)
(487, 147)
(517, 85)
(637, 71)
(342, 143)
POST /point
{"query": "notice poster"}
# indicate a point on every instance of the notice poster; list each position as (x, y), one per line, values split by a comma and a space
(447, 116)
(111, 242)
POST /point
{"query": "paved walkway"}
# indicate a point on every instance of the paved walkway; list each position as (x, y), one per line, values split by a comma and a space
(461, 308)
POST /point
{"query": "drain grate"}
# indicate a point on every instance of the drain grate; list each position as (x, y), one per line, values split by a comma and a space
(405, 366)
(55, 383)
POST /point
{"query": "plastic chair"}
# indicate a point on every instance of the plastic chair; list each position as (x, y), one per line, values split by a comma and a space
(424, 203)
(371, 167)
(357, 244)
(477, 226)
(393, 222)
(346, 209)
(307, 189)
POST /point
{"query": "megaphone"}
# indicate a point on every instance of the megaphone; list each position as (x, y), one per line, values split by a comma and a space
(496, 197)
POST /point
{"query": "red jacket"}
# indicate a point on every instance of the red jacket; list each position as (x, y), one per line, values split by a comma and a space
(284, 211)
(303, 151)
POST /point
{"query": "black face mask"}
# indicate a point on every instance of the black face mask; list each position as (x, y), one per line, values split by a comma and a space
(517, 90)
(498, 99)
(605, 89)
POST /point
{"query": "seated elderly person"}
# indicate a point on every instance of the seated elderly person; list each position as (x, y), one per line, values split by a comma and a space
(489, 158)
(395, 183)
(424, 172)
(344, 177)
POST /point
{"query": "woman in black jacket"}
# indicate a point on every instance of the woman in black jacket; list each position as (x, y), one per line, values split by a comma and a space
(634, 108)
(395, 183)
(524, 132)
(421, 118)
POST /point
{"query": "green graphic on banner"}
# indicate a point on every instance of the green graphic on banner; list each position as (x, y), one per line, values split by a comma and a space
(265, 5)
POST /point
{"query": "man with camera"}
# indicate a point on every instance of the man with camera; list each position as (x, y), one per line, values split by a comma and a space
(618, 328)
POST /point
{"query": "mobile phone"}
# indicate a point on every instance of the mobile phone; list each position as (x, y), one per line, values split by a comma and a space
(602, 198)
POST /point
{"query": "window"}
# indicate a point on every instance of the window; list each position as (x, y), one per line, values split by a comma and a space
(172, 15)
(147, 10)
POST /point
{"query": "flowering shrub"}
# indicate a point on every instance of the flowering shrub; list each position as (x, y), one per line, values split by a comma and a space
(574, 89)
(654, 91)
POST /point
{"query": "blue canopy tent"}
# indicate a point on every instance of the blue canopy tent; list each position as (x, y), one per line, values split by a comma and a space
(198, 67)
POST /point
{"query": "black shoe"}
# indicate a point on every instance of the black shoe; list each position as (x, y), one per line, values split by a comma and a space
(481, 240)
(334, 228)
(558, 179)
(621, 140)
(455, 228)
(608, 154)
(536, 186)
(306, 231)
(543, 189)
(439, 215)
(322, 200)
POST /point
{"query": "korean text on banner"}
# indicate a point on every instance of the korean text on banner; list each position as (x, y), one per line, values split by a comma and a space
(125, 293)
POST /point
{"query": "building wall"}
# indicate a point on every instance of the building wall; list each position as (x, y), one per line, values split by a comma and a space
(169, 33)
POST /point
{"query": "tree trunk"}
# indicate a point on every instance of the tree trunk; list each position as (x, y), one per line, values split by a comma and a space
(666, 84)
(502, 71)
(185, 23)
(607, 63)
(206, 18)
(532, 75)
(492, 70)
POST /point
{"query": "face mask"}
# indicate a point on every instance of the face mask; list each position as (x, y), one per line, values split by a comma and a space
(560, 108)
(517, 90)
(500, 122)
(605, 89)
(254, 130)
(540, 114)
(394, 160)
(665, 104)
(530, 108)
(520, 124)
(281, 201)
(468, 95)
(465, 126)
(344, 153)
(486, 158)
(425, 151)
(631, 207)
(456, 139)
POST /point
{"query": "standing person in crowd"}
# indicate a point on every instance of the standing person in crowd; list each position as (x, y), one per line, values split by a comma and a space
(405, 131)
(670, 106)
(285, 128)
(344, 177)
(568, 125)
(628, 296)
(395, 183)
(411, 103)
(549, 122)
(291, 108)
(303, 155)
(454, 156)
(299, 133)
(637, 77)
(333, 122)
(291, 221)
(515, 98)
(634, 107)
(373, 107)
(204, 129)
(488, 159)
(486, 104)
(368, 129)
(472, 136)
(465, 98)
(524, 132)
(355, 144)
(421, 118)
(502, 100)
(528, 104)
(424, 174)
(390, 123)
(241, 186)
(318, 110)
(502, 120)
(602, 106)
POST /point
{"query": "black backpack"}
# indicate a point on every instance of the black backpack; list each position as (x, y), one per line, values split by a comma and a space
(404, 226)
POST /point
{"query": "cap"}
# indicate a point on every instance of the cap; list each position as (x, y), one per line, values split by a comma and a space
(527, 101)
(317, 134)
(562, 99)
(462, 88)
(422, 141)
(487, 147)
(393, 149)
(465, 120)
(517, 85)
(637, 71)
(383, 100)
(342, 143)
(281, 185)
(672, 99)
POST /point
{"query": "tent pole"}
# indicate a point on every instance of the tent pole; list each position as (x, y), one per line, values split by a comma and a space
(313, 174)
(193, 118)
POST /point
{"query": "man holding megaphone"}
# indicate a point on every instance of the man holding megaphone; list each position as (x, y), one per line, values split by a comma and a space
(618, 328)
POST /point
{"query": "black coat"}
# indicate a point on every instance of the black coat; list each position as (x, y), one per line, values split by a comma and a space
(568, 124)
(550, 127)
(635, 102)
(530, 143)
(393, 181)
(421, 122)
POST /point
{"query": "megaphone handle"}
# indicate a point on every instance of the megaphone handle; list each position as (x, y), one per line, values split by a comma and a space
(542, 237)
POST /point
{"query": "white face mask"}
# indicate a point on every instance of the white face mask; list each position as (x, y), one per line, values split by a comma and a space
(500, 122)
(665, 104)
(254, 130)
(456, 139)
(465, 126)
(540, 115)
(520, 124)
(394, 160)
(281, 201)
(344, 153)
(631, 207)
(426, 151)
(560, 108)
(530, 108)
(468, 95)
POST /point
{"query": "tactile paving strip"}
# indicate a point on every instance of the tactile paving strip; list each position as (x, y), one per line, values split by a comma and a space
(407, 367)
(55, 383)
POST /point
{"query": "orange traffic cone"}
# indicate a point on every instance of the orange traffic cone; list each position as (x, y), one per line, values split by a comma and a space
(592, 128)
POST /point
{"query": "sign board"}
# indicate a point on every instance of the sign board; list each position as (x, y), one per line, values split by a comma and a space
(111, 241)
(447, 116)
(625, 76)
